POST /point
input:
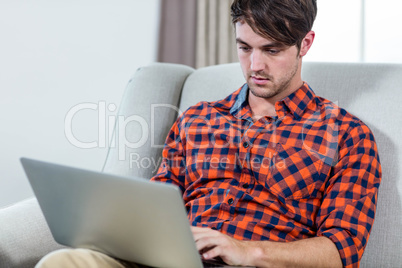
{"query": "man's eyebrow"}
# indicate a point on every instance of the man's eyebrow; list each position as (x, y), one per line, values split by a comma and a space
(270, 45)
(238, 40)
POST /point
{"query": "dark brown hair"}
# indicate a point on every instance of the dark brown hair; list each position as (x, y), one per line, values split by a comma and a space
(284, 21)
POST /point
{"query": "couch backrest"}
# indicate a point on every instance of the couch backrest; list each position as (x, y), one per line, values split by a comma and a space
(146, 114)
(370, 91)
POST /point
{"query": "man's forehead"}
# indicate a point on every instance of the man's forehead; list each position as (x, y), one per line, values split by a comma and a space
(246, 34)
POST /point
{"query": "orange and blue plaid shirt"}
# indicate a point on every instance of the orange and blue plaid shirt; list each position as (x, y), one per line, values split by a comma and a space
(313, 170)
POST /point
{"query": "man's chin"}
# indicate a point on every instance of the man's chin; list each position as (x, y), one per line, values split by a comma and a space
(262, 91)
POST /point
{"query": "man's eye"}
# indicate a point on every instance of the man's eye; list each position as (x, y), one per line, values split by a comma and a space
(273, 51)
(245, 49)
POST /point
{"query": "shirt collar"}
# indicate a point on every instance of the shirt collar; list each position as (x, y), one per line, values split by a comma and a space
(241, 100)
(295, 103)
(236, 103)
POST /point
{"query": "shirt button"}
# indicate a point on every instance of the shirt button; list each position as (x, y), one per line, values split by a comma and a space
(245, 144)
(230, 201)
(246, 185)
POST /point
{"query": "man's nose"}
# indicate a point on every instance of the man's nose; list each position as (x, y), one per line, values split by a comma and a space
(257, 62)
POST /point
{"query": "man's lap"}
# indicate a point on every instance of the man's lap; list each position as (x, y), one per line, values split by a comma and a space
(82, 258)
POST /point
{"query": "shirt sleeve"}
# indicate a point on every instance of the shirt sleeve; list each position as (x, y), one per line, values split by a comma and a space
(172, 169)
(349, 202)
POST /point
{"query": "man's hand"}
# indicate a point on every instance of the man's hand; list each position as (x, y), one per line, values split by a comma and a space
(311, 252)
(214, 244)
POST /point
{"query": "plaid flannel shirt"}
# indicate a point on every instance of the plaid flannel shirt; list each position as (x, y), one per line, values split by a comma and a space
(313, 170)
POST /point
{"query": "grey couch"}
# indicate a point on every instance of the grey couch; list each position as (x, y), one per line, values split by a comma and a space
(370, 91)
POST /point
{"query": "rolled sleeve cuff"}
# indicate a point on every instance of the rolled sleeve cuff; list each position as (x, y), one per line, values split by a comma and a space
(346, 246)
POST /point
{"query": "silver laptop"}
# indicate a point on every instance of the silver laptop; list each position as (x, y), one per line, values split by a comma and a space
(128, 218)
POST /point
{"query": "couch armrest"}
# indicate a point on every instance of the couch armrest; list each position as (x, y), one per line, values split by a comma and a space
(25, 237)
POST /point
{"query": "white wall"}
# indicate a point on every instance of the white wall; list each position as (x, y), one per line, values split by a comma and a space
(383, 31)
(337, 31)
(55, 55)
(342, 37)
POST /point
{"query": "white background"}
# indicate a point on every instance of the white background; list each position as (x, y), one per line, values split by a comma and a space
(54, 55)
(341, 37)
(57, 54)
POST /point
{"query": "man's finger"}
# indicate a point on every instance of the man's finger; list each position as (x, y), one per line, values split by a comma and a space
(199, 233)
(208, 242)
(212, 253)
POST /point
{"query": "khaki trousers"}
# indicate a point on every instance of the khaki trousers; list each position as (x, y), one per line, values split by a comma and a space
(75, 258)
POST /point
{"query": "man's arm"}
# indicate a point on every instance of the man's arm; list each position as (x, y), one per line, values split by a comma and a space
(172, 168)
(344, 220)
(312, 252)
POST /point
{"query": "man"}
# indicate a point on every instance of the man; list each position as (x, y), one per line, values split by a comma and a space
(273, 175)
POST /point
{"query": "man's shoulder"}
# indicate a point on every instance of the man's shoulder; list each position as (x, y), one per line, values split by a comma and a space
(346, 121)
(205, 107)
(197, 109)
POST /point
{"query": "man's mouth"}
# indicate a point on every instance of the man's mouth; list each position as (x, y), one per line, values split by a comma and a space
(259, 80)
(260, 77)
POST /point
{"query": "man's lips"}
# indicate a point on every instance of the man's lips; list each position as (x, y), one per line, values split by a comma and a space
(260, 80)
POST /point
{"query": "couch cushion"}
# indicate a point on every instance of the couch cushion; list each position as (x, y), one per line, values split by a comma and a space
(147, 112)
(24, 236)
(372, 93)
(211, 84)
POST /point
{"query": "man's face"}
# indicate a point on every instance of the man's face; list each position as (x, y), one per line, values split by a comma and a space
(272, 70)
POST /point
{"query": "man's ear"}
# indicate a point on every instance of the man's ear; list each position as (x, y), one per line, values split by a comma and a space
(306, 43)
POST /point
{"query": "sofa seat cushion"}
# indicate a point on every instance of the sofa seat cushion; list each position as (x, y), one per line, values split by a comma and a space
(20, 225)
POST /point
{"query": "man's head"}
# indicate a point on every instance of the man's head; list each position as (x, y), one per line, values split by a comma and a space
(272, 36)
(284, 21)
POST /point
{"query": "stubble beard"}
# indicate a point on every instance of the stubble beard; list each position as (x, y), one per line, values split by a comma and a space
(275, 87)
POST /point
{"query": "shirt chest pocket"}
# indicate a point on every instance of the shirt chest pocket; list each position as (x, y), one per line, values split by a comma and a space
(295, 173)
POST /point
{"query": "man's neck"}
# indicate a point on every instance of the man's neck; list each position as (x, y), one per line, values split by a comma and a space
(261, 107)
